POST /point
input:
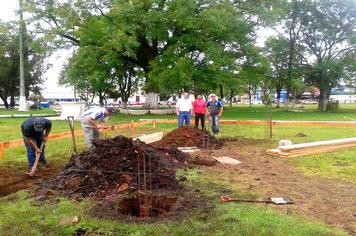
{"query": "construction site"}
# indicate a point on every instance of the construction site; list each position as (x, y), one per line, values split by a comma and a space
(138, 175)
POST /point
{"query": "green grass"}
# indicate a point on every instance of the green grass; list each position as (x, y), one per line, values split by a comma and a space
(38, 218)
(32, 112)
(340, 165)
(10, 127)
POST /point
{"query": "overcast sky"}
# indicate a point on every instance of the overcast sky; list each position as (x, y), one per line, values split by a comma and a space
(8, 13)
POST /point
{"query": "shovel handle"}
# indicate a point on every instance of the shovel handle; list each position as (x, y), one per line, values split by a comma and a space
(38, 155)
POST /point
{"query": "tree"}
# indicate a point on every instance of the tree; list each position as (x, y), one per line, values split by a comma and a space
(9, 64)
(255, 71)
(328, 33)
(203, 38)
(89, 73)
(277, 51)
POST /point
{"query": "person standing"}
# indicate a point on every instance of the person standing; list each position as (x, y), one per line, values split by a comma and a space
(93, 120)
(35, 131)
(199, 108)
(184, 110)
(214, 108)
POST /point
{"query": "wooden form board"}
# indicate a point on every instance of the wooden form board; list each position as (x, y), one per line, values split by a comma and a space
(150, 138)
(304, 149)
(19, 142)
(261, 122)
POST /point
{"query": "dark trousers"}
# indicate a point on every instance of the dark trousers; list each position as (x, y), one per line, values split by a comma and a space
(200, 117)
(31, 154)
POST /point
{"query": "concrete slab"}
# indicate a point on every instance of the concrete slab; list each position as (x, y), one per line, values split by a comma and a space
(227, 160)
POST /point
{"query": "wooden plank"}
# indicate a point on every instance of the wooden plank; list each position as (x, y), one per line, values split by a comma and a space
(150, 138)
(316, 144)
(316, 151)
(187, 148)
(227, 160)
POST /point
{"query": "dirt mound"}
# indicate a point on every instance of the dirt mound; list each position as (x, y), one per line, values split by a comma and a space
(111, 167)
(187, 136)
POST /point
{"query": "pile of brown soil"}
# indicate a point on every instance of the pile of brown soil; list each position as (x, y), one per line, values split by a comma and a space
(111, 167)
(187, 136)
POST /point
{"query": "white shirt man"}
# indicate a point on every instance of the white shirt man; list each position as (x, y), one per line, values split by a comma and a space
(93, 120)
(184, 109)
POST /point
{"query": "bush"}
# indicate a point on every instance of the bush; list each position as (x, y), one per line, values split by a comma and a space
(332, 106)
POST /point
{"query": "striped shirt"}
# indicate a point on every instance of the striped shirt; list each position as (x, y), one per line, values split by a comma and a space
(96, 113)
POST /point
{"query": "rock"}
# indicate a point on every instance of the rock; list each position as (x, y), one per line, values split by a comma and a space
(301, 135)
(69, 220)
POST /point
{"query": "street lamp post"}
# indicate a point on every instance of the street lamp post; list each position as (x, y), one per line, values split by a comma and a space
(22, 100)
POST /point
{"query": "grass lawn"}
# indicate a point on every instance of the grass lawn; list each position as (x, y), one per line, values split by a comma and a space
(32, 112)
(223, 219)
(37, 218)
(10, 127)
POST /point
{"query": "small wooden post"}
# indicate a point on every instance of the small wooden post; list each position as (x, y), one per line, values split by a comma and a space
(154, 123)
(131, 128)
(1, 152)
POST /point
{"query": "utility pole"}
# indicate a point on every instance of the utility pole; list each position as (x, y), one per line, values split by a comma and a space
(22, 102)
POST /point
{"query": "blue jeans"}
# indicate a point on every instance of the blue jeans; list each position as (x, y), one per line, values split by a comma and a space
(184, 115)
(31, 154)
(214, 123)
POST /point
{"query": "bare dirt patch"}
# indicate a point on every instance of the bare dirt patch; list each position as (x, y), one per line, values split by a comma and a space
(328, 200)
(13, 180)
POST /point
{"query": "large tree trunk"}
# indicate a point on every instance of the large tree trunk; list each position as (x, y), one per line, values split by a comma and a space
(221, 90)
(152, 99)
(286, 103)
(6, 104)
(101, 99)
(323, 100)
(278, 90)
(124, 104)
(249, 96)
(124, 99)
(232, 92)
(12, 99)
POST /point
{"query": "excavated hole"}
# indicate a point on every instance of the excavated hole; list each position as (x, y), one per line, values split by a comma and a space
(161, 205)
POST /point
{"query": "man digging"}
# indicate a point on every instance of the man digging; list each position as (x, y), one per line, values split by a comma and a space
(214, 108)
(93, 120)
(35, 131)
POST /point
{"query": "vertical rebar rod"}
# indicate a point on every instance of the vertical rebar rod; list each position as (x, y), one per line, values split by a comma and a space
(150, 183)
(139, 180)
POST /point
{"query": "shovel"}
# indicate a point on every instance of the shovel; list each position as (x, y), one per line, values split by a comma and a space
(273, 200)
(71, 126)
(34, 167)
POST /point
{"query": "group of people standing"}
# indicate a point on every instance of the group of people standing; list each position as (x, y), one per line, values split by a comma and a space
(185, 108)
